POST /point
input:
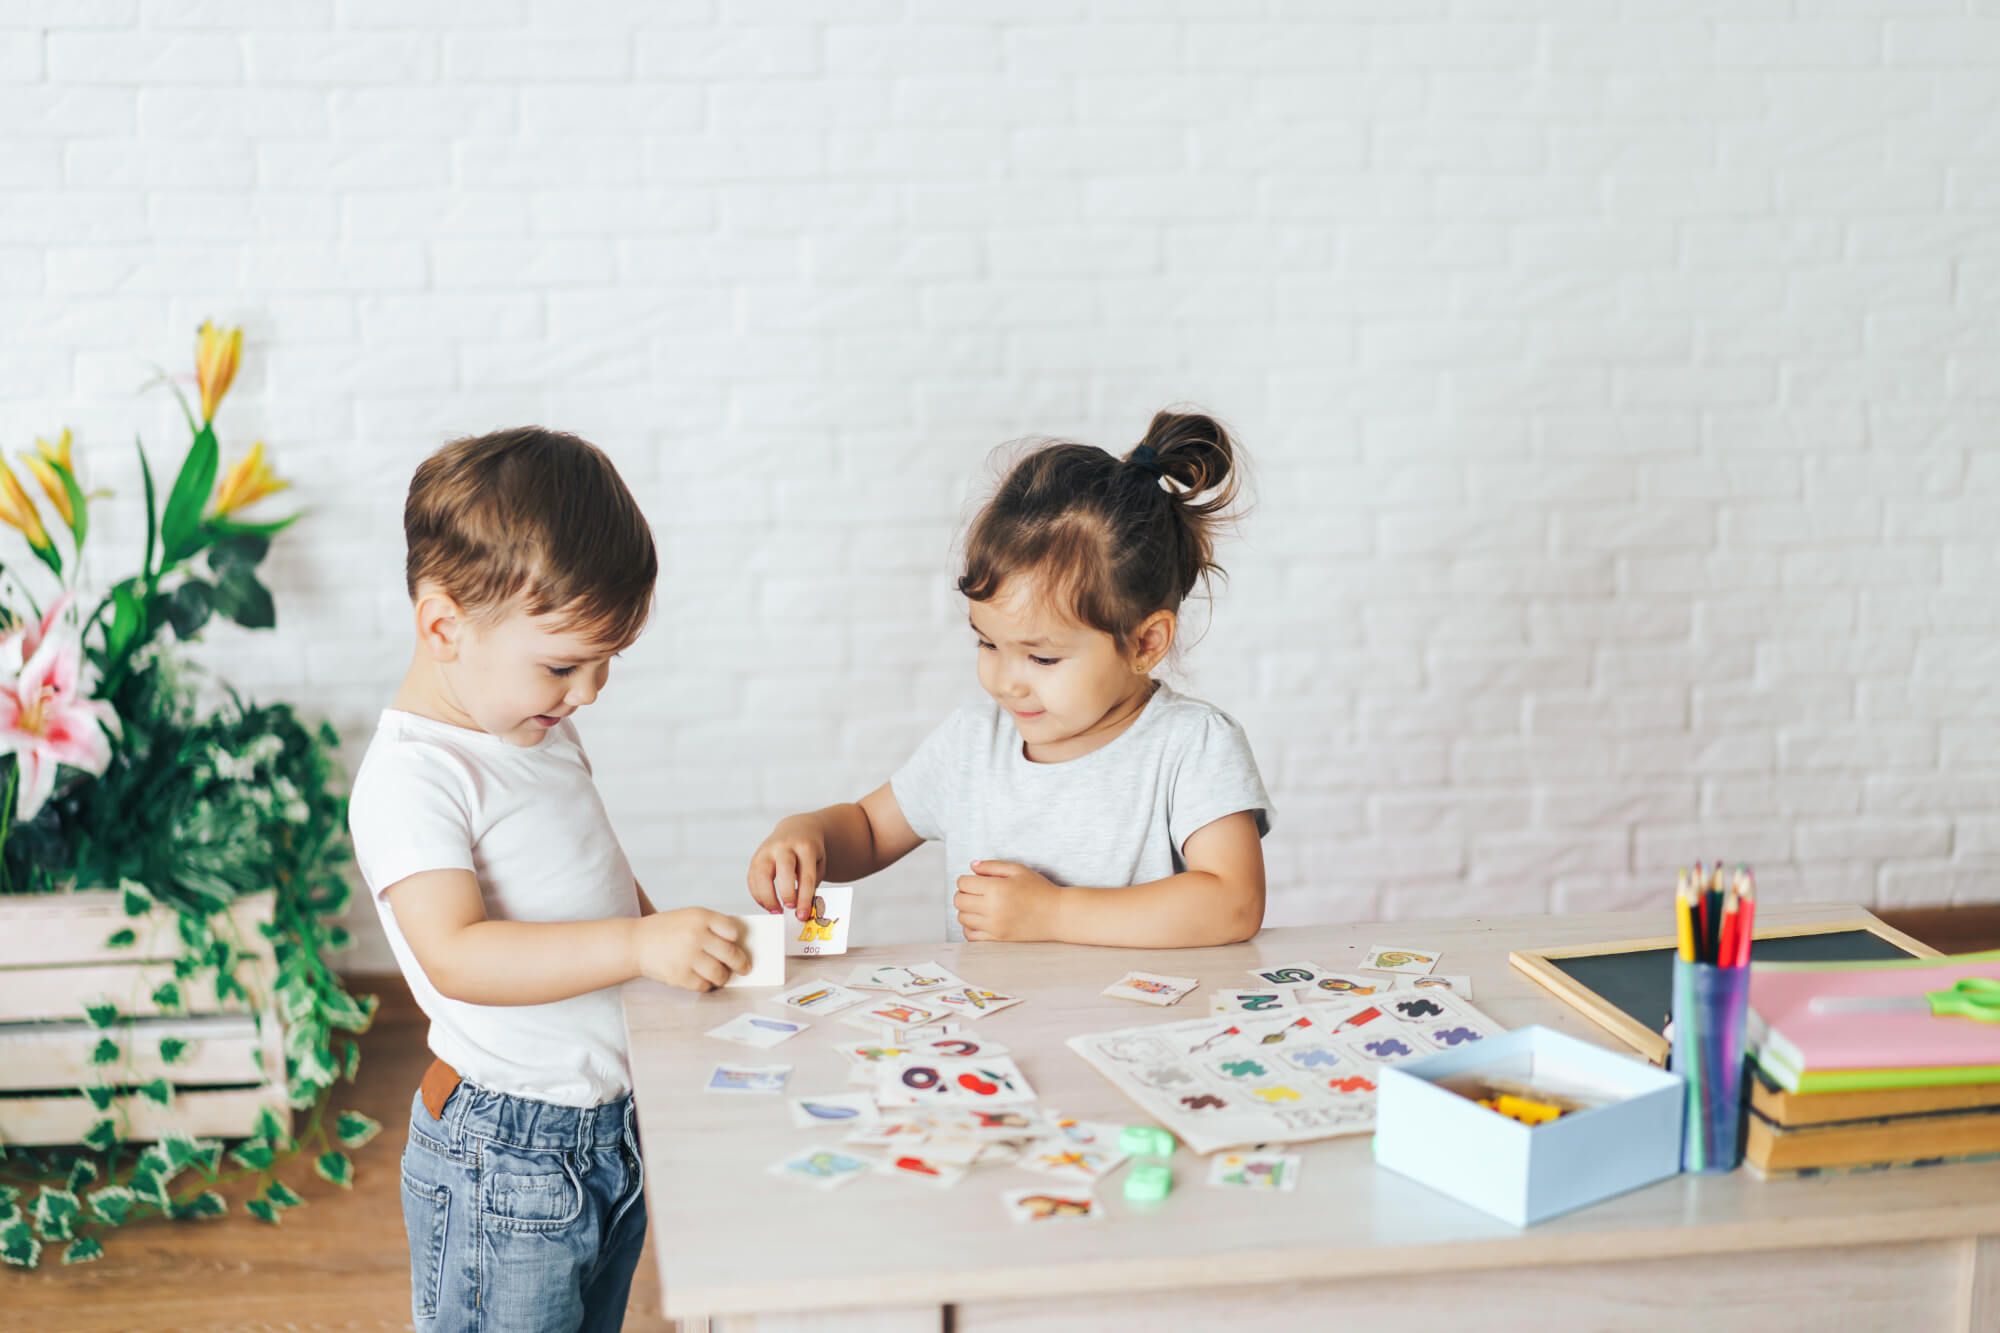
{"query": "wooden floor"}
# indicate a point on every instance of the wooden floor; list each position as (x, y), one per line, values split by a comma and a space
(341, 1263)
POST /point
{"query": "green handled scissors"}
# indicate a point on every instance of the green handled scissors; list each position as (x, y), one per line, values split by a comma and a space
(1968, 997)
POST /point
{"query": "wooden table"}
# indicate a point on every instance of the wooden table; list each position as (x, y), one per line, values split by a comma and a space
(1906, 1251)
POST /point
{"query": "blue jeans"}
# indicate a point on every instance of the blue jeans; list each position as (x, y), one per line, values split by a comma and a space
(522, 1215)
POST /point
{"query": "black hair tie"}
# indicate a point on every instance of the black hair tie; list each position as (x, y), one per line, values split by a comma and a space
(1147, 461)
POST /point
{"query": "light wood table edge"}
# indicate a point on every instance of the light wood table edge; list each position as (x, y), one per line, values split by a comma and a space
(1975, 1224)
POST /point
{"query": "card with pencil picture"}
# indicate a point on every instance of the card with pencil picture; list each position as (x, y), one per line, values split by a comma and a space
(825, 932)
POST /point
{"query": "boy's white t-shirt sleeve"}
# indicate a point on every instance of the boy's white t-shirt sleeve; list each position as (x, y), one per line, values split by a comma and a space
(408, 814)
(1216, 775)
(925, 786)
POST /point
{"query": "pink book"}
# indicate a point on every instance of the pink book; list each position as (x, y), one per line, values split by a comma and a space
(1784, 1022)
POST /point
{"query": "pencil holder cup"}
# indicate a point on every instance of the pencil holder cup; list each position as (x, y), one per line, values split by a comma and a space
(1710, 1006)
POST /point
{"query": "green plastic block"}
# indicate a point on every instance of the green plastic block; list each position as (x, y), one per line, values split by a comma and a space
(1148, 1182)
(1146, 1141)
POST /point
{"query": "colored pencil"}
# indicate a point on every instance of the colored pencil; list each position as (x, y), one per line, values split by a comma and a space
(1684, 919)
(1746, 929)
(1732, 921)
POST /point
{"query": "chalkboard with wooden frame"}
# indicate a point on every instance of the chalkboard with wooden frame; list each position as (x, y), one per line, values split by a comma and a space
(1627, 987)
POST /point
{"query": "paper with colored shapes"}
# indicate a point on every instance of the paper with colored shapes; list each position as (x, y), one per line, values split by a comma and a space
(1290, 974)
(826, 931)
(747, 1078)
(1254, 1171)
(1344, 986)
(971, 1002)
(926, 1082)
(1150, 988)
(1404, 962)
(1053, 1204)
(1256, 1001)
(757, 1030)
(819, 997)
(850, 1110)
(1223, 1083)
(822, 1168)
(763, 937)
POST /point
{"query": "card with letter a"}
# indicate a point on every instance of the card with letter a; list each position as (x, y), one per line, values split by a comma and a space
(826, 931)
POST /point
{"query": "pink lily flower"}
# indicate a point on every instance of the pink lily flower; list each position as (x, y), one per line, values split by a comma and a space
(44, 723)
(19, 642)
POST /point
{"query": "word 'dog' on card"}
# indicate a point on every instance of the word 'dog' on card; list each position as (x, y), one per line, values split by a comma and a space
(763, 938)
(825, 931)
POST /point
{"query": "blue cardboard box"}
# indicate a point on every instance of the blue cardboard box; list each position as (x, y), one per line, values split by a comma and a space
(1629, 1136)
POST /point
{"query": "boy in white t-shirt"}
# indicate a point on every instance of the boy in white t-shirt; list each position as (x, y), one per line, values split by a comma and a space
(503, 891)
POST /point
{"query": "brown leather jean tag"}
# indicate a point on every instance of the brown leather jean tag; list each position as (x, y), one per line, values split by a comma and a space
(439, 1080)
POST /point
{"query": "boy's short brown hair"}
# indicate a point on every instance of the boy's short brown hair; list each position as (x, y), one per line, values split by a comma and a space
(534, 515)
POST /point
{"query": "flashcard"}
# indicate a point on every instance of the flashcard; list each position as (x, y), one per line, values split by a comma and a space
(1053, 1205)
(877, 976)
(819, 997)
(763, 938)
(1254, 1171)
(1150, 988)
(1457, 985)
(826, 931)
(952, 1151)
(884, 1133)
(898, 1013)
(988, 1124)
(1344, 986)
(851, 1109)
(747, 1078)
(821, 1168)
(1291, 974)
(1268, 1000)
(938, 1173)
(757, 1030)
(958, 1046)
(924, 1082)
(970, 1001)
(1405, 962)
(926, 977)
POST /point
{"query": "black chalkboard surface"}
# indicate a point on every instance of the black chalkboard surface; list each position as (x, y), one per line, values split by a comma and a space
(1628, 986)
(1642, 983)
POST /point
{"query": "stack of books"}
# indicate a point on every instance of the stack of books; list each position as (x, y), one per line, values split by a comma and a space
(1851, 1069)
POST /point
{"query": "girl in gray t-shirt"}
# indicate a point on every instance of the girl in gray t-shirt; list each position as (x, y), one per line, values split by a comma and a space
(1083, 801)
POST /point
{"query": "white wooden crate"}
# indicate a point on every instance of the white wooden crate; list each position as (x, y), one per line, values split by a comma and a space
(54, 961)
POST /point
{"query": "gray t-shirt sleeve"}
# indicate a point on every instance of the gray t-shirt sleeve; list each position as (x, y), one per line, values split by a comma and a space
(926, 786)
(1215, 775)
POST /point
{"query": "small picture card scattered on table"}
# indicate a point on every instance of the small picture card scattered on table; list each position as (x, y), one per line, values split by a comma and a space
(1460, 986)
(970, 1002)
(1344, 986)
(826, 931)
(763, 938)
(757, 1030)
(1291, 974)
(819, 997)
(822, 1168)
(748, 1078)
(925, 1082)
(1254, 1171)
(849, 1109)
(926, 977)
(877, 976)
(923, 1168)
(898, 1013)
(1404, 962)
(1150, 988)
(1070, 1161)
(1053, 1205)
(1257, 1000)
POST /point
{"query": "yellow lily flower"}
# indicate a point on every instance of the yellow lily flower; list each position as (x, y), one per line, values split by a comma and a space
(248, 480)
(52, 485)
(216, 353)
(18, 511)
(57, 452)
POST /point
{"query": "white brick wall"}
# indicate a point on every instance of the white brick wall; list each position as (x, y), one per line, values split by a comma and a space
(1619, 383)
